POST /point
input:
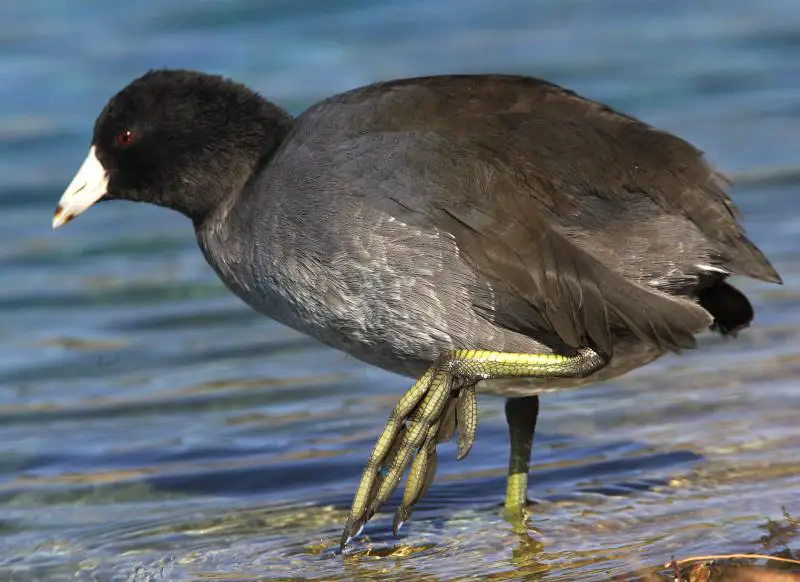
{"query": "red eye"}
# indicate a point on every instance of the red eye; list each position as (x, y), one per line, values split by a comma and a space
(124, 137)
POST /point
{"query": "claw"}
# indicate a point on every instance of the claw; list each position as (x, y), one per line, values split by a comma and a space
(467, 419)
(351, 529)
(429, 413)
(384, 448)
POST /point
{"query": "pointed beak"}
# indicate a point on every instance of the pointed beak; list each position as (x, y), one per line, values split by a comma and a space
(87, 187)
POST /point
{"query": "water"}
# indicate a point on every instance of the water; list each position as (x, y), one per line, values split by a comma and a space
(155, 428)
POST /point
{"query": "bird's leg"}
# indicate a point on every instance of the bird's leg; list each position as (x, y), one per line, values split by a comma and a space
(424, 416)
(521, 415)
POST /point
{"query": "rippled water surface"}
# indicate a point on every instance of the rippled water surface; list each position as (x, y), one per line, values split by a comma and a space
(154, 428)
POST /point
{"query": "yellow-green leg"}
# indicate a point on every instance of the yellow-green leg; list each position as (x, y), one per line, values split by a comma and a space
(440, 401)
(521, 415)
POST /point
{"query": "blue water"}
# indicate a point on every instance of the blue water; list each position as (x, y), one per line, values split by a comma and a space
(152, 427)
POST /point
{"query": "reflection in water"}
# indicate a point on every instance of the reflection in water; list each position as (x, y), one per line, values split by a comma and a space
(155, 427)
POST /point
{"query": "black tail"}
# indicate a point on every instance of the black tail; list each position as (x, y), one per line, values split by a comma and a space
(730, 308)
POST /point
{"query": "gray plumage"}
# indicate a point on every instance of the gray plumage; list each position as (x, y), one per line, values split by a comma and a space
(405, 222)
(404, 219)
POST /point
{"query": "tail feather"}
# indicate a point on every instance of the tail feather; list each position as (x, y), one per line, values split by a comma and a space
(728, 306)
(745, 258)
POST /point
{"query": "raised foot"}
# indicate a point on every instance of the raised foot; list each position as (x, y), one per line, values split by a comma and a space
(426, 415)
(440, 402)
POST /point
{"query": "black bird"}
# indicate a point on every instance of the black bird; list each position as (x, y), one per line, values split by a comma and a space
(477, 232)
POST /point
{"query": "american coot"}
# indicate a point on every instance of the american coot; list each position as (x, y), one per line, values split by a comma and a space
(477, 232)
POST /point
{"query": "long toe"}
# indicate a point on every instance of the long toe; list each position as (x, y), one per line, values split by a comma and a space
(409, 438)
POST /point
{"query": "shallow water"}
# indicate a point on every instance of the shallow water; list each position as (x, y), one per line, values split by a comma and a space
(155, 428)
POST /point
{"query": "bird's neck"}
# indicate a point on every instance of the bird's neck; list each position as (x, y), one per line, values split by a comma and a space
(219, 183)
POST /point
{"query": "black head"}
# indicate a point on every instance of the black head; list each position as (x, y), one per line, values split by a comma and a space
(180, 139)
